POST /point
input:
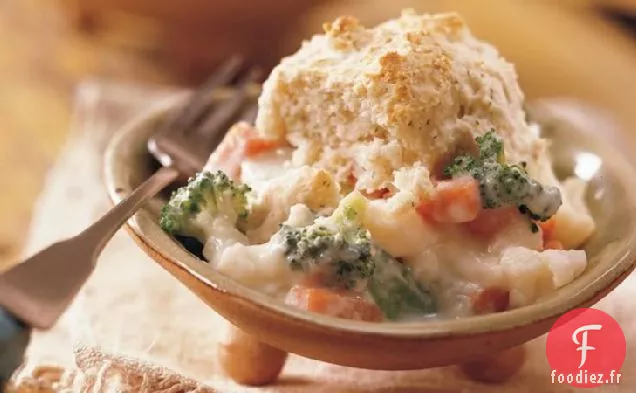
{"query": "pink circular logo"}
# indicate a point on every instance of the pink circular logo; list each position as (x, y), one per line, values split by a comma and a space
(586, 348)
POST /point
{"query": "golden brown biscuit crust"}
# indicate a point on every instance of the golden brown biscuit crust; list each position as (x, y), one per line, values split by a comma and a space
(406, 93)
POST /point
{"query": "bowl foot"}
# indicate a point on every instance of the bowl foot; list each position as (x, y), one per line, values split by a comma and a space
(496, 368)
(248, 361)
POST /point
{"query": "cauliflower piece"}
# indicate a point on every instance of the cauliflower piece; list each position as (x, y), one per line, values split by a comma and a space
(532, 274)
(396, 226)
(262, 267)
(573, 222)
(300, 216)
(222, 234)
(565, 265)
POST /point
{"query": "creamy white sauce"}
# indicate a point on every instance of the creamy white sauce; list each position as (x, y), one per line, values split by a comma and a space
(260, 266)
(257, 171)
(452, 264)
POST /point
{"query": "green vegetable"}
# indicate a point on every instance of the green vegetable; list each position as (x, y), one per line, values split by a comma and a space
(342, 252)
(348, 259)
(396, 291)
(342, 256)
(502, 184)
(337, 247)
(491, 147)
(206, 196)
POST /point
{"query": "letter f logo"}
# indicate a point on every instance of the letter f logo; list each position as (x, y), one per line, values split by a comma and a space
(583, 343)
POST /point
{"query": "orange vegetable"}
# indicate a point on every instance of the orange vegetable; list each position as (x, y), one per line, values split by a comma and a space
(228, 155)
(453, 201)
(489, 300)
(234, 138)
(547, 229)
(241, 141)
(547, 234)
(334, 303)
(255, 146)
(425, 210)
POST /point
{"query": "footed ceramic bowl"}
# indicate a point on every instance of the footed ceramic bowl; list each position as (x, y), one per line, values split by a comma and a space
(396, 346)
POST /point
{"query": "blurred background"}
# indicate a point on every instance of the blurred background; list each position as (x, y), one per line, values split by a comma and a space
(585, 49)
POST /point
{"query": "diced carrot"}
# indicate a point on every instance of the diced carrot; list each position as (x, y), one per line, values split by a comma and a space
(547, 235)
(547, 229)
(241, 141)
(553, 245)
(489, 300)
(334, 303)
(255, 146)
(228, 155)
(490, 221)
(453, 201)
(425, 210)
(234, 138)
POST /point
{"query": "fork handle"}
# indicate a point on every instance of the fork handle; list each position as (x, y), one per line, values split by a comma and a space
(14, 339)
(40, 289)
(103, 230)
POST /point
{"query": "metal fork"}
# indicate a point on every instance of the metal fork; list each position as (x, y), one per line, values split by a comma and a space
(34, 294)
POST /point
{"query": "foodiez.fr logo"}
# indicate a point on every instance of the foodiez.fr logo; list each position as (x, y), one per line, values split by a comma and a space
(586, 348)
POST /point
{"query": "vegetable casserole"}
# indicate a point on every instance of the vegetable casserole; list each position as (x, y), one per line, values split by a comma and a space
(391, 175)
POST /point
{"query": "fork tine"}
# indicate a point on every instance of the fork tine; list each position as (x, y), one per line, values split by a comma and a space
(186, 140)
(212, 127)
(197, 104)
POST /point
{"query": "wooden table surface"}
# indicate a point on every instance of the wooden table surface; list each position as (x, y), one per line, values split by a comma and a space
(560, 48)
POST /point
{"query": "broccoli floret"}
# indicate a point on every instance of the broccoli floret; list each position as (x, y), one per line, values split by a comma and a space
(491, 147)
(207, 195)
(502, 184)
(348, 259)
(338, 248)
(395, 290)
(341, 256)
